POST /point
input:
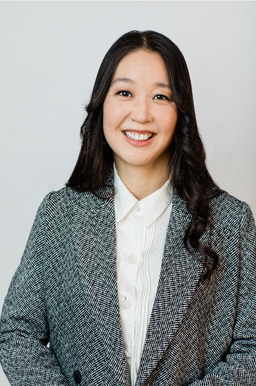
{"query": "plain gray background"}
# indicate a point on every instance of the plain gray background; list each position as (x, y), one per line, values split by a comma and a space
(50, 53)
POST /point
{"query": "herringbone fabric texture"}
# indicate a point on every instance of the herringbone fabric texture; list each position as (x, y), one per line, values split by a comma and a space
(65, 292)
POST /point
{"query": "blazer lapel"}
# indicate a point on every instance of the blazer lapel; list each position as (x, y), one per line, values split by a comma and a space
(179, 278)
(96, 253)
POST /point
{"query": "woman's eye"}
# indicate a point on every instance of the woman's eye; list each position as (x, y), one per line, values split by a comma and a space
(162, 97)
(124, 93)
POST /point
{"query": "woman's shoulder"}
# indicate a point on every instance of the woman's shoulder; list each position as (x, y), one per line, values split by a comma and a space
(63, 195)
(65, 200)
(227, 209)
(67, 196)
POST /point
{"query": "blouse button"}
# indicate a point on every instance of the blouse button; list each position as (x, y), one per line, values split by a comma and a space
(137, 207)
(131, 259)
(125, 303)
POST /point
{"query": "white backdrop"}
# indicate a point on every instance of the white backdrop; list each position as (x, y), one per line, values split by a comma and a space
(49, 55)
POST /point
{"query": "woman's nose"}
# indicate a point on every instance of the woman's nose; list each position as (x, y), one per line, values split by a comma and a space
(141, 111)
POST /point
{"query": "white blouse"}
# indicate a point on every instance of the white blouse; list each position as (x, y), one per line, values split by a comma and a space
(141, 232)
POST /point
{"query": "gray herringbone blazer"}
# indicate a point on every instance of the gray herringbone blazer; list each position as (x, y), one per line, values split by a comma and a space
(65, 292)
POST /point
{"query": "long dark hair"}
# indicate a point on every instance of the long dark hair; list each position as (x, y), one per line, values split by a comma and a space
(190, 177)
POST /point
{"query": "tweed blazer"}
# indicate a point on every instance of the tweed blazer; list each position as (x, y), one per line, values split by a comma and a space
(60, 324)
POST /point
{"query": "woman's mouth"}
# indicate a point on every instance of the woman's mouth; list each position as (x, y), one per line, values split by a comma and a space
(138, 137)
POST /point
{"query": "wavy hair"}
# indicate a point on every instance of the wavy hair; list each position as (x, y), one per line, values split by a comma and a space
(190, 177)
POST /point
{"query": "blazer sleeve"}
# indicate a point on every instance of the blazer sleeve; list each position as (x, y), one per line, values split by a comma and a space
(25, 357)
(239, 366)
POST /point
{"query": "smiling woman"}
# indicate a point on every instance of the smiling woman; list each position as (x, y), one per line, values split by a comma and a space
(141, 271)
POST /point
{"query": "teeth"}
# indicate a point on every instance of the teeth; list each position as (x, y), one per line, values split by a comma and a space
(138, 137)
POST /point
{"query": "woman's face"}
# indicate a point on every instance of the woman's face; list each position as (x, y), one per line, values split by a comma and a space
(139, 115)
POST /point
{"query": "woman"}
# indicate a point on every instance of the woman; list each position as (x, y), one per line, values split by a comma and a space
(141, 271)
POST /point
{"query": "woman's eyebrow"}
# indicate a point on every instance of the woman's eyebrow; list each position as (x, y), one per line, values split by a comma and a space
(128, 80)
(122, 80)
(160, 84)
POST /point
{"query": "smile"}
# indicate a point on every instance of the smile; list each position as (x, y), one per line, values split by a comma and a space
(138, 137)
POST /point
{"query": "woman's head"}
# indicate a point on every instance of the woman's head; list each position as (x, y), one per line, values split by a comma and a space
(150, 41)
(186, 152)
(95, 152)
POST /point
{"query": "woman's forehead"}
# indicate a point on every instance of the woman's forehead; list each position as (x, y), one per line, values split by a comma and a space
(142, 66)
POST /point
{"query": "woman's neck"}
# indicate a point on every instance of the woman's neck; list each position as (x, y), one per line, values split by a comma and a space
(141, 181)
